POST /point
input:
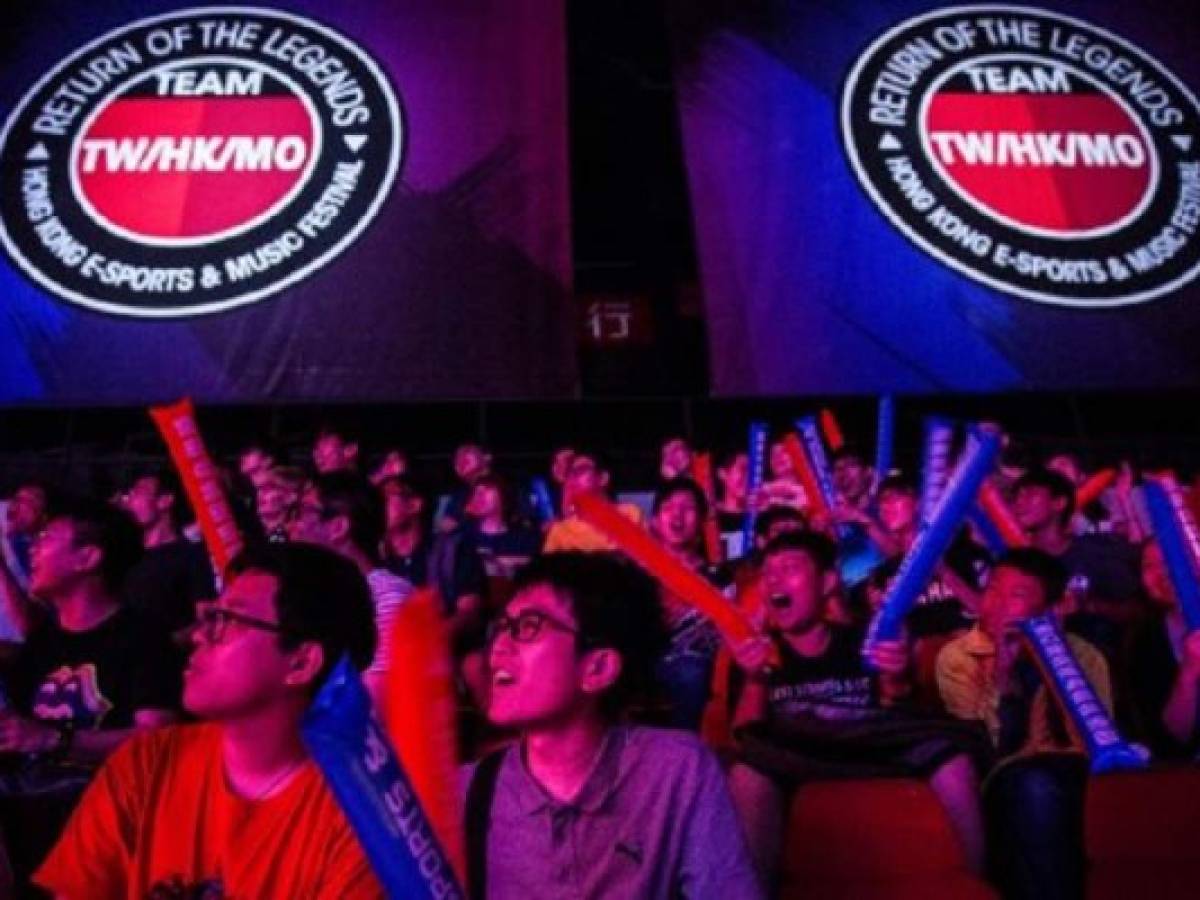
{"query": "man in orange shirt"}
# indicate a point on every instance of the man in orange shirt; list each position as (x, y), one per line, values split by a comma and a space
(587, 474)
(234, 806)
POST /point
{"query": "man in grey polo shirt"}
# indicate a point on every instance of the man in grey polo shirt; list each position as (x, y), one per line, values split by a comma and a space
(583, 806)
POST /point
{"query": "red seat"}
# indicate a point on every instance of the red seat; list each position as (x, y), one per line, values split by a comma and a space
(1141, 833)
(886, 838)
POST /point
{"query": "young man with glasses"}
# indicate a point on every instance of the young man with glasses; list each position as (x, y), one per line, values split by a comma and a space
(583, 805)
(587, 473)
(90, 674)
(233, 806)
(344, 512)
(277, 501)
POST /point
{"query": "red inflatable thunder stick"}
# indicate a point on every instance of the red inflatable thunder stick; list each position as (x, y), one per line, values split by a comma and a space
(832, 431)
(1090, 491)
(677, 578)
(702, 474)
(994, 507)
(419, 715)
(201, 481)
(806, 474)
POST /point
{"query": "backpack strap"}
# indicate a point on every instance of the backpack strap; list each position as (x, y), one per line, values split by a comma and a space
(478, 820)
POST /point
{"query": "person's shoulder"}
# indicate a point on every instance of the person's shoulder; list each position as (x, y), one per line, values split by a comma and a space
(958, 649)
(1088, 655)
(466, 771)
(668, 749)
(171, 745)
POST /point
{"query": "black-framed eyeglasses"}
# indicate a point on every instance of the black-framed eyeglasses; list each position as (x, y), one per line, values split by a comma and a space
(213, 622)
(526, 626)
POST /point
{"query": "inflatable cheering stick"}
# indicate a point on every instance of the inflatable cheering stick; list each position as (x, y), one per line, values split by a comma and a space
(810, 438)
(1175, 530)
(757, 451)
(702, 474)
(1092, 489)
(832, 430)
(543, 501)
(933, 540)
(420, 713)
(935, 466)
(1089, 719)
(201, 480)
(806, 476)
(374, 792)
(1001, 516)
(673, 575)
(987, 532)
(885, 438)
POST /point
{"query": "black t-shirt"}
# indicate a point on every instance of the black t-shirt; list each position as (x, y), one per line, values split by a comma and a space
(837, 685)
(98, 677)
(503, 554)
(452, 566)
(168, 581)
(1104, 567)
(938, 608)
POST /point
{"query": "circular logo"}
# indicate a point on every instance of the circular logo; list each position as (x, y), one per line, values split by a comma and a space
(195, 162)
(1031, 151)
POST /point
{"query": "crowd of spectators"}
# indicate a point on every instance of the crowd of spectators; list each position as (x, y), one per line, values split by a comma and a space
(619, 745)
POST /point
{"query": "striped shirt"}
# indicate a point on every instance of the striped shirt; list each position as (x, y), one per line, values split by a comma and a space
(388, 592)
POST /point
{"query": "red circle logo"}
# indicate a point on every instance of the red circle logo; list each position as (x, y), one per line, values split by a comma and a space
(1036, 153)
(196, 161)
(1039, 145)
(195, 151)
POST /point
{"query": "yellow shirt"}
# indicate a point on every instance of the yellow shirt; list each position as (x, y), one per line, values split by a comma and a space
(966, 683)
(572, 533)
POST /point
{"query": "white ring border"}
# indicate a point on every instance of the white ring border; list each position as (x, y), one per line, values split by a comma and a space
(963, 269)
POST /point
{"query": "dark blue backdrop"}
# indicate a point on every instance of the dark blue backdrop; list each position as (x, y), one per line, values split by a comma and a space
(810, 289)
(460, 288)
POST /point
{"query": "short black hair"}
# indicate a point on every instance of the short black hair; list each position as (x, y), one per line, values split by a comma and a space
(681, 485)
(168, 482)
(616, 606)
(898, 482)
(112, 531)
(329, 429)
(265, 445)
(321, 597)
(1058, 486)
(503, 487)
(405, 482)
(850, 451)
(348, 494)
(1017, 455)
(727, 456)
(596, 455)
(820, 549)
(1038, 564)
